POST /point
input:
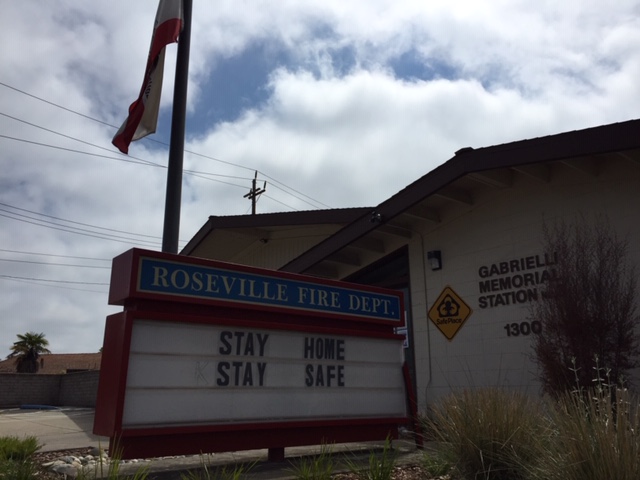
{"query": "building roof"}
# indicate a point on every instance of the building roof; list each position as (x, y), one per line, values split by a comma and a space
(495, 166)
(55, 363)
(363, 235)
(246, 229)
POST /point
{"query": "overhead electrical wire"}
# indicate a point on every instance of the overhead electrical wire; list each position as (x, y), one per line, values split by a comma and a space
(61, 224)
(56, 105)
(49, 285)
(316, 202)
(140, 161)
(85, 233)
(133, 160)
(77, 223)
(21, 252)
(53, 264)
(71, 282)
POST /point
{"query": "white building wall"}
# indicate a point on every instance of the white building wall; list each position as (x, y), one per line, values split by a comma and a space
(503, 226)
(284, 245)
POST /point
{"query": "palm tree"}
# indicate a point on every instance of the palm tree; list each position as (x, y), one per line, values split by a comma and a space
(27, 350)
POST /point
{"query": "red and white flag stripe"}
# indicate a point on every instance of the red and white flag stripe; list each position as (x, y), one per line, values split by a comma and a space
(143, 113)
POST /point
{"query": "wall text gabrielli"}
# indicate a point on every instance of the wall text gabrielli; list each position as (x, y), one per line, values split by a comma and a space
(514, 281)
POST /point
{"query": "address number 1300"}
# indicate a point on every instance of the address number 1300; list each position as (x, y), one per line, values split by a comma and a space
(523, 328)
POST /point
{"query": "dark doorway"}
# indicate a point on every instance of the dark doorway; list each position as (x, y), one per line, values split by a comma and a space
(392, 272)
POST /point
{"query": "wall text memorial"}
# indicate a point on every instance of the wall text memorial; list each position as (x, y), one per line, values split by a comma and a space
(514, 281)
(210, 357)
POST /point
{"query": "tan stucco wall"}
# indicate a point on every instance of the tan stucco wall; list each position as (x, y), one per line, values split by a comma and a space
(501, 226)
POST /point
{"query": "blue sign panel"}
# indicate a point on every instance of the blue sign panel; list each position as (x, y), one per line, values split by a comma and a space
(198, 281)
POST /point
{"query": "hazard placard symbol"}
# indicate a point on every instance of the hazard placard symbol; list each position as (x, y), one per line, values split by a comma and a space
(449, 312)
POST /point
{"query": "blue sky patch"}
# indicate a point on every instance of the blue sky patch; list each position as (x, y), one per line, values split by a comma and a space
(412, 66)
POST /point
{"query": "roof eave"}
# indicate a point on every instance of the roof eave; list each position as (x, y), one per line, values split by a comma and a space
(592, 141)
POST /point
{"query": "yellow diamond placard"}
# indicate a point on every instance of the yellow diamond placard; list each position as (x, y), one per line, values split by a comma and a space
(449, 312)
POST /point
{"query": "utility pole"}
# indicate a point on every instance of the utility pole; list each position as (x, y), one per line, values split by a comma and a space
(255, 192)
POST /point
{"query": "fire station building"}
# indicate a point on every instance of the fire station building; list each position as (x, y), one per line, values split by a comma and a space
(464, 244)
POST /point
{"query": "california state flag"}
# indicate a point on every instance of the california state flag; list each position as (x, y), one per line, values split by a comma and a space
(143, 113)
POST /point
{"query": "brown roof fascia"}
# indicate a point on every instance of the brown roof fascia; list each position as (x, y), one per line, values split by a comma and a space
(278, 219)
(591, 141)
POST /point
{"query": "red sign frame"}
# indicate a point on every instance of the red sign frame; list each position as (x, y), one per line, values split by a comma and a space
(165, 307)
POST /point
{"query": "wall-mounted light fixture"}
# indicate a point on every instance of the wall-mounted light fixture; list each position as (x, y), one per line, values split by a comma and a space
(435, 259)
(376, 217)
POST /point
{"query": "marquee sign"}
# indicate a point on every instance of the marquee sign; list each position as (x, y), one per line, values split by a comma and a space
(213, 357)
(256, 375)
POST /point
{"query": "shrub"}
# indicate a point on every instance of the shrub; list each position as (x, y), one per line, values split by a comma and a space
(15, 458)
(208, 471)
(489, 433)
(317, 467)
(589, 306)
(14, 448)
(380, 465)
(435, 465)
(596, 437)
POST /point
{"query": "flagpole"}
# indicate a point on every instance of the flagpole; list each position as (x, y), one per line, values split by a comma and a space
(173, 196)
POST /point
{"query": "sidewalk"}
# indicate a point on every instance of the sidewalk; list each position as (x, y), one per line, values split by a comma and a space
(71, 428)
(59, 429)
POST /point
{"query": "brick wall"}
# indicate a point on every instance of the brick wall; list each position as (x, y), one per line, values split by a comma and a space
(69, 390)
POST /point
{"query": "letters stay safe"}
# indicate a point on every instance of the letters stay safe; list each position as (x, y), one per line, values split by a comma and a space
(242, 361)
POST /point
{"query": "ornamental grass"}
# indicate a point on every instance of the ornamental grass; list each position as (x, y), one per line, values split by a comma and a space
(489, 433)
(597, 436)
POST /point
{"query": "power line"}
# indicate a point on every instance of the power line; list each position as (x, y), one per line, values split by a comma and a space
(54, 255)
(66, 149)
(11, 277)
(71, 228)
(52, 264)
(69, 137)
(76, 223)
(93, 234)
(137, 160)
(57, 105)
(165, 144)
(296, 191)
(195, 173)
(131, 159)
(281, 203)
(23, 280)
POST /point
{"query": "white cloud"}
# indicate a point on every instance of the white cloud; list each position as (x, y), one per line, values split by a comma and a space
(500, 71)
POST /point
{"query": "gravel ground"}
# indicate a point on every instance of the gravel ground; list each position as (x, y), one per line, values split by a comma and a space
(404, 472)
(41, 458)
(399, 473)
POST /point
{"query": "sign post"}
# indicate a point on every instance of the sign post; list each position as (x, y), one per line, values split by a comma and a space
(211, 357)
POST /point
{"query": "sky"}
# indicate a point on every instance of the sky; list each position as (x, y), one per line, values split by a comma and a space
(334, 103)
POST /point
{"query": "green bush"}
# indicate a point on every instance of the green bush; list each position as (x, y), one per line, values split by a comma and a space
(597, 436)
(15, 458)
(209, 471)
(317, 467)
(489, 433)
(11, 470)
(380, 465)
(435, 465)
(14, 448)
